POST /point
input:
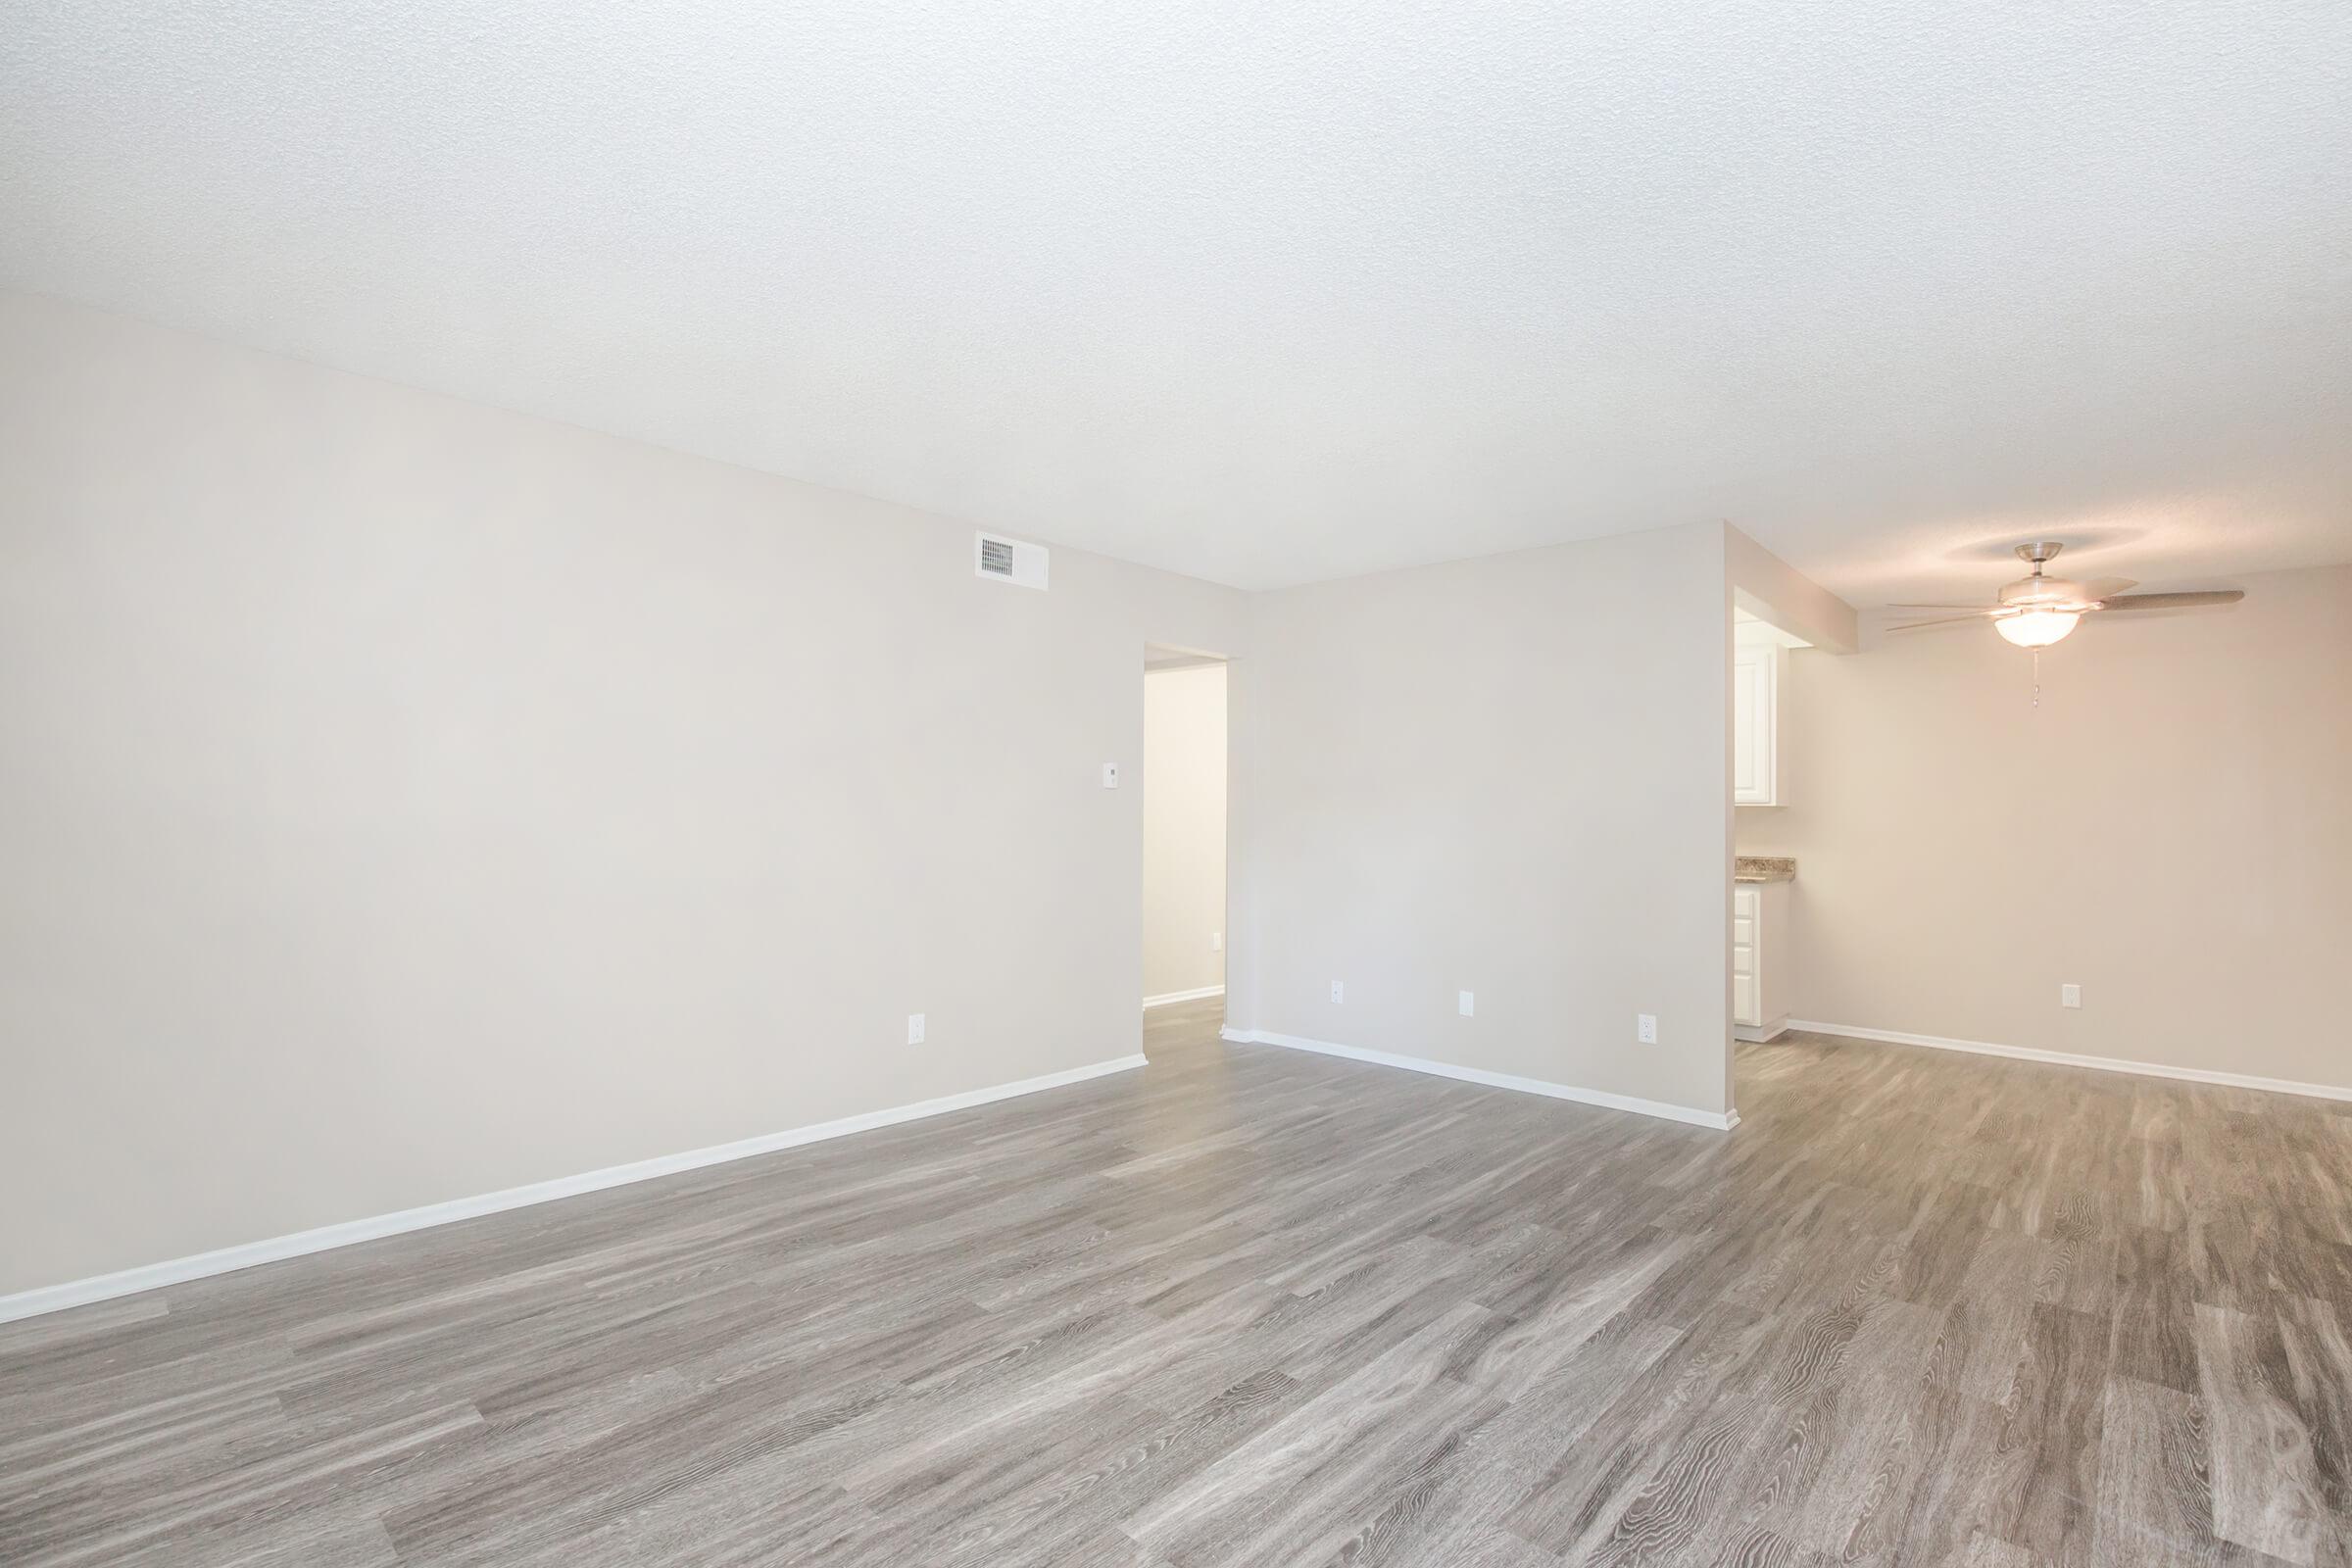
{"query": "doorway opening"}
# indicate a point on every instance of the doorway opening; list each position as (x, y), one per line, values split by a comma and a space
(1183, 846)
(1764, 947)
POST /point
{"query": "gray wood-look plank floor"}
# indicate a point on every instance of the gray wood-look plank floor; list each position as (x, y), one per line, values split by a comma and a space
(1250, 1306)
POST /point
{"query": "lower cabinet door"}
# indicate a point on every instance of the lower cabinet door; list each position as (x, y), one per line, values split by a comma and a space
(1746, 991)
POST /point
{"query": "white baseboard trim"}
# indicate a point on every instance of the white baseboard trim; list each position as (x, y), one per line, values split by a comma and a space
(2066, 1058)
(1165, 997)
(1761, 1035)
(180, 1271)
(1719, 1121)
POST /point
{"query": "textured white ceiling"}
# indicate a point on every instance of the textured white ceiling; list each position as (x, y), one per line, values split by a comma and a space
(1268, 293)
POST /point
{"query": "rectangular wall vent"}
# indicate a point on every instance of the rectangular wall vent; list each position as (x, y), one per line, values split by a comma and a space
(1008, 559)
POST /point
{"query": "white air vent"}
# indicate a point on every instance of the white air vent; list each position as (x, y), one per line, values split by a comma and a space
(1008, 559)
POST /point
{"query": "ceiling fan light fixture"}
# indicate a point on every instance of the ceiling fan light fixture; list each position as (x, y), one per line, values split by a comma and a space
(2038, 628)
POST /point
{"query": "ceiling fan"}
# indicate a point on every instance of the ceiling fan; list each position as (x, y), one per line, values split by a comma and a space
(2035, 610)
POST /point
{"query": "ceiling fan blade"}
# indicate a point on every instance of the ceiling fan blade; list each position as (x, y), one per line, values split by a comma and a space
(2217, 596)
(1948, 620)
(2108, 587)
(1982, 610)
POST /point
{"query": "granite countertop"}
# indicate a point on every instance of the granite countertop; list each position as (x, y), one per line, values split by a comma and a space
(1764, 868)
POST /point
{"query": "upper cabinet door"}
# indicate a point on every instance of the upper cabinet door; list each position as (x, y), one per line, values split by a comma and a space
(1754, 725)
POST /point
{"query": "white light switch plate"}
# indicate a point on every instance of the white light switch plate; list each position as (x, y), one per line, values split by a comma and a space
(1339, 991)
(914, 1028)
(2069, 996)
(1110, 775)
(1468, 1004)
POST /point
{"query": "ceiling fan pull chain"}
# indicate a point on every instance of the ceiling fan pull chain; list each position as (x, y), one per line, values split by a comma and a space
(2037, 677)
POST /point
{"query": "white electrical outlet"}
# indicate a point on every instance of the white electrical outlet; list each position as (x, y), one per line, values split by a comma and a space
(1110, 775)
(914, 1028)
(1646, 1028)
(2069, 996)
(1468, 1003)
(1217, 942)
(1339, 992)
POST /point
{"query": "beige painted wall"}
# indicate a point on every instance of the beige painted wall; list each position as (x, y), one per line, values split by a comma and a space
(1508, 776)
(1184, 828)
(2171, 830)
(1766, 586)
(401, 800)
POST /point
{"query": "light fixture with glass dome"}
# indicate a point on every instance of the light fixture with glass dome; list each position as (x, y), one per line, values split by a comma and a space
(2037, 610)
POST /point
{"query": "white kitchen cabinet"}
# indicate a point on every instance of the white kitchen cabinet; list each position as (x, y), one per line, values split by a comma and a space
(1758, 668)
(1760, 954)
